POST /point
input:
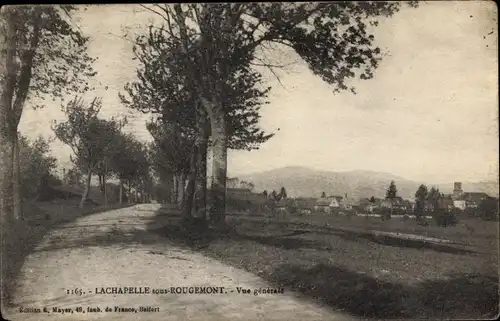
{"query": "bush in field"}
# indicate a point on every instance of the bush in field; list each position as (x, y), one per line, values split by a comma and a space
(488, 209)
(445, 218)
(468, 212)
(292, 209)
(385, 214)
(238, 204)
(36, 165)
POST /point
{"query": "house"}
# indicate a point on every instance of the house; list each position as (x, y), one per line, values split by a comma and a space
(322, 205)
(443, 204)
(346, 204)
(305, 205)
(243, 199)
(446, 204)
(407, 205)
(326, 204)
(386, 204)
(370, 207)
(283, 204)
(366, 205)
(335, 201)
(469, 200)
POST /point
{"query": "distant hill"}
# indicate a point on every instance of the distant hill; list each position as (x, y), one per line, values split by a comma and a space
(306, 182)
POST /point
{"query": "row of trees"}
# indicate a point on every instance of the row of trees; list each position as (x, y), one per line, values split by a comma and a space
(234, 182)
(101, 148)
(200, 76)
(276, 196)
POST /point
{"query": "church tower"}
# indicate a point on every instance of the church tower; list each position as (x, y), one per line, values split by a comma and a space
(457, 190)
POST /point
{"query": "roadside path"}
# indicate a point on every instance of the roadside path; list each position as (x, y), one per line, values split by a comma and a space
(114, 249)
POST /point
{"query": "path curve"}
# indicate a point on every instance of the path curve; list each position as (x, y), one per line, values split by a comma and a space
(115, 249)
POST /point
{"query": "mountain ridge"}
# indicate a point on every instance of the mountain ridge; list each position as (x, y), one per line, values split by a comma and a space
(301, 181)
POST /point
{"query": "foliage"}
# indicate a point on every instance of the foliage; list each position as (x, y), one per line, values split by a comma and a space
(420, 196)
(283, 193)
(434, 196)
(90, 138)
(323, 195)
(488, 209)
(74, 176)
(445, 218)
(204, 54)
(172, 147)
(247, 185)
(36, 163)
(161, 193)
(129, 159)
(392, 191)
(50, 54)
(161, 88)
(292, 208)
(372, 199)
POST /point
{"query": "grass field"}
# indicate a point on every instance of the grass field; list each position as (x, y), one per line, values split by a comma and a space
(481, 234)
(334, 261)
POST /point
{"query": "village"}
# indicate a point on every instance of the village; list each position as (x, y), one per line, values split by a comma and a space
(459, 201)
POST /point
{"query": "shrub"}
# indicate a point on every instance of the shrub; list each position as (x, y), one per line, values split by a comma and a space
(488, 209)
(445, 218)
(385, 214)
(292, 209)
(421, 221)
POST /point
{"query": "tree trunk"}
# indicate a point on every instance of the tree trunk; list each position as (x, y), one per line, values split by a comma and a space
(16, 179)
(87, 187)
(219, 165)
(136, 190)
(121, 192)
(188, 202)
(175, 186)
(105, 192)
(128, 192)
(200, 202)
(8, 79)
(180, 189)
(201, 181)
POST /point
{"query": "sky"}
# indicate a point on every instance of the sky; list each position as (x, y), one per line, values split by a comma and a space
(429, 114)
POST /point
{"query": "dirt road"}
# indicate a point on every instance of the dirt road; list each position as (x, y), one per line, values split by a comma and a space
(75, 265)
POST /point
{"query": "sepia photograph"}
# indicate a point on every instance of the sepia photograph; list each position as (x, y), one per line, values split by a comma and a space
(280, 161)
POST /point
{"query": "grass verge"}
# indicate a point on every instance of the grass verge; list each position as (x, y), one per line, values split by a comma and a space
(366, 277)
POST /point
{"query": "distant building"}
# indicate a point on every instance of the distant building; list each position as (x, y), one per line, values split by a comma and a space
(469, 200)
(282, 204)
(244, 199)
(457, 190)
(305, 205)
(323, 205)
(463, 200)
